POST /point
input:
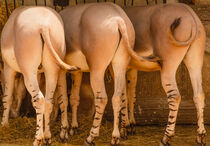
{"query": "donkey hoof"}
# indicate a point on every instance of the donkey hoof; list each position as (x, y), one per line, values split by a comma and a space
(89, 143)
(132, 129)
(162, 143)
(64, 134)
(37, 142)
(123, 133)
(73, 131)
(47, 141)
(200, 140)
(115, 141)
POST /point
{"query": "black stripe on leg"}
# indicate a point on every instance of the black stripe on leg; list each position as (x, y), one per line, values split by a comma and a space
(170, 91)
(59, 96)
(171, 105)
(93, 133)
(172, 96)
(98, 97)
(95, 126)
(123, 108)
(60, 103)
(35, 95)
(173, 110)
(171, 117)
(170, 123)
(99, 113)
(97, 106)
(4, 96)
(96, 118)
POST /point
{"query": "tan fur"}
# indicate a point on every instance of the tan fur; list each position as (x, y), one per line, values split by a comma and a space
(186, 42)
(23, 51)
(93, 31)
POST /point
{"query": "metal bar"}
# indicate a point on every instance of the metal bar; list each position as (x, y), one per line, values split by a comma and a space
(14, 4)
(45, 3)
(36, 2)
(76, 2)
(147, 2)
(7, 8)
(155, 1)
(124, 2)
(132, 2)
(22, 2)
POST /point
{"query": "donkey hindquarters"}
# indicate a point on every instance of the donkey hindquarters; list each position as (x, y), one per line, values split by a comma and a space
(177, 35)
(33, 36)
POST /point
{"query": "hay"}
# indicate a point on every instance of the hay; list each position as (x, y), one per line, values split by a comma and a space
(3, 11)
(22, 131)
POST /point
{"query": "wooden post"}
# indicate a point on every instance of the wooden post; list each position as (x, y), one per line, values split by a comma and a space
(7, 8)
(45, 3)
(14, 4)
(22, 2)
(36, 2)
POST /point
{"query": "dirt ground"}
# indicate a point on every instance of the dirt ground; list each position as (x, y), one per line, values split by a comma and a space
(21, 132)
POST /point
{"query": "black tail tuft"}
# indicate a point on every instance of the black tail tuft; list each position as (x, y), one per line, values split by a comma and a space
(175, 24)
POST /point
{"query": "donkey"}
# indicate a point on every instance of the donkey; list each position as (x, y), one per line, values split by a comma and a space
(31, 38)
(174, 33)
(97, 34)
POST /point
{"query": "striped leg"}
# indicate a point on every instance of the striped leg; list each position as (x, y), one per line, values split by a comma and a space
(194, 63)
(19, 96)
(169, 84)
(51, 75)
(199, 100)
(131, 93)
(98, 86)
(124, 115)
(74, 99)
(62, 100)
(30, 79)
(9, 78)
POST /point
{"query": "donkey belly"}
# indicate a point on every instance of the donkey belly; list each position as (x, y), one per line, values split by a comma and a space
(77, 58)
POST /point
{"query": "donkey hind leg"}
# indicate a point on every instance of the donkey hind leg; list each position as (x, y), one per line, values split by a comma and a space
(168, 80)
(9, 78)
(74, 99)
(119, 65)
(62, 100)
(194, 62)
(98, 86)
(51, 75)
(20, 95)
(131, 94)
(38, 101)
